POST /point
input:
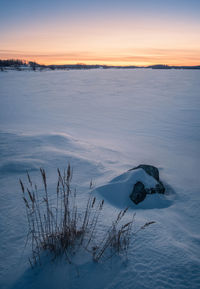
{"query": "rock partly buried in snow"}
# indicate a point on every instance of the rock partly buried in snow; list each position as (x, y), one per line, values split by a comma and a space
(124, 191)
(139, 191)
(159, 189)
(150, 170)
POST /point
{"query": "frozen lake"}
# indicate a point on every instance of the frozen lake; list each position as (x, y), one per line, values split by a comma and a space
(105, 122)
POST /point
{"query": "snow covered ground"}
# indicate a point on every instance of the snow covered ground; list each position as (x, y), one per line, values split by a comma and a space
(104, 122)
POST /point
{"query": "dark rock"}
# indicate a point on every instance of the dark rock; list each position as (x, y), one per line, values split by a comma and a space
(138, 193)
(159, 189)
(150, 170)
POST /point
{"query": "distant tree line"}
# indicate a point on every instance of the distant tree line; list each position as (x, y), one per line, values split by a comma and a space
(12, 62)
(18, 65)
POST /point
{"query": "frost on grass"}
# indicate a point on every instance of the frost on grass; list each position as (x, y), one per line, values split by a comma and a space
(57, 225)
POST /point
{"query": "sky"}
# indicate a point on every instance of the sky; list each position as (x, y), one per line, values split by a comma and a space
(112, 32)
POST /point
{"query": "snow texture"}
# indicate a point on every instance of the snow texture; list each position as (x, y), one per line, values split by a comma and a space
(118, 190)
(104, 122)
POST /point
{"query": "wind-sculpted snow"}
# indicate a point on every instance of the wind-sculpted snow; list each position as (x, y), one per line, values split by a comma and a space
(104, 122)
(118, 190)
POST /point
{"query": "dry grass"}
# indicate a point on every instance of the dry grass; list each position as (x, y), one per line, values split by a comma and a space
(57, 225)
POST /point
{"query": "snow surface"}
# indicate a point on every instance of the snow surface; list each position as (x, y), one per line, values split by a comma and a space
(118, 190)
(104, 122)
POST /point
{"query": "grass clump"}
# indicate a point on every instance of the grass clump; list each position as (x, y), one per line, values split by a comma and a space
(57, 225)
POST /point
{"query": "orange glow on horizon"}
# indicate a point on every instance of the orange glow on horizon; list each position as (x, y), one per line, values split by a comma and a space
(151, 57)
(137, 41)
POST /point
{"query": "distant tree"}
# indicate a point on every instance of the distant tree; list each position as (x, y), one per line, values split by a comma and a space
(12, 63)
(33, 65)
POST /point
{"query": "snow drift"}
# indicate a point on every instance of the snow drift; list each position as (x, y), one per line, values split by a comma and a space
(118, 191)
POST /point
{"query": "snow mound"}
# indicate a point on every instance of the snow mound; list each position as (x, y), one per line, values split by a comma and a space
(118, 190)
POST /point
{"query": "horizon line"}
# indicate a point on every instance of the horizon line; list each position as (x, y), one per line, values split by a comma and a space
(98, 64)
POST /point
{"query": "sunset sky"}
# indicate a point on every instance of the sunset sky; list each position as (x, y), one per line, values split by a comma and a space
(113, 32)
